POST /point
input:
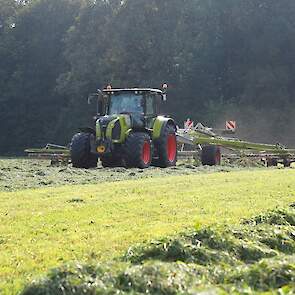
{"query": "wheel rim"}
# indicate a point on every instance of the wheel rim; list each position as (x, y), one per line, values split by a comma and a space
(171, 147)
(146, 153)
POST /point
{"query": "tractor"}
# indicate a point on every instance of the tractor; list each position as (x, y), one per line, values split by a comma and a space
(128, 131)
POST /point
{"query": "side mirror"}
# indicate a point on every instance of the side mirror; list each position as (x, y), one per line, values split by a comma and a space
(164, 90)
(98, 98)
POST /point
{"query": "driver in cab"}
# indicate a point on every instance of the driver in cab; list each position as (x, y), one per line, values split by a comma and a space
(127, 104)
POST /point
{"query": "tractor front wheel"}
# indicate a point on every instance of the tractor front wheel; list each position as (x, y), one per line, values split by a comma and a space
(80, 151)
(138, 150)
(211, 155)
(167, 148)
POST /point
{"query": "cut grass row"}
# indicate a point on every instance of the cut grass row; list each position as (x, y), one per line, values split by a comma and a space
(19, 174)
(255, 257)
(44, 228)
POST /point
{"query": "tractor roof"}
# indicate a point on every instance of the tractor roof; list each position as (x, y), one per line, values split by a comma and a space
(117, 90)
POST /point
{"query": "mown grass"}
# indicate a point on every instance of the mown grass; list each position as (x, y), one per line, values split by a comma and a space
(254, 257)
(18, 174)
(44, 228)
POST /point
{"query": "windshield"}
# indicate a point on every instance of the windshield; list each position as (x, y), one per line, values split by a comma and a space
(126, 102)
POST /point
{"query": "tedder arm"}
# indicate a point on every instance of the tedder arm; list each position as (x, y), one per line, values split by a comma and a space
(201, 135)
(56, 153)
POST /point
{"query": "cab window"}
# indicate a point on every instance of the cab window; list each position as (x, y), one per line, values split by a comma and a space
(150, 106)
(126, 102)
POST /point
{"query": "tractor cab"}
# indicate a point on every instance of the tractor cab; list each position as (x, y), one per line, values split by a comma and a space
(140, 104)
(128, 100)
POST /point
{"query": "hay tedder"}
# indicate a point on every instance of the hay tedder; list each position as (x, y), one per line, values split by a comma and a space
(209, 145)
(129, 131)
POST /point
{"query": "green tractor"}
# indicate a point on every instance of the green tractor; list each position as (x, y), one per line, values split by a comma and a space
(128, 131)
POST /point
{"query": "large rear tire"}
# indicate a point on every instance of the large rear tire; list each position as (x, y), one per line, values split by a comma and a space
(211, 155)
(80, 151)
(138, 150)
(167, 148)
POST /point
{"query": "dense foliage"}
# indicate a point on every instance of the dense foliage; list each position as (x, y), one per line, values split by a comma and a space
(222, 59)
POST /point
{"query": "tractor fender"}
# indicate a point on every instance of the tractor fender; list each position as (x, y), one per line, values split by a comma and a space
(159, 126)
(87, 130)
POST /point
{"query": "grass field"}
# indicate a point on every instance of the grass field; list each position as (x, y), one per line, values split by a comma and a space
(47, 227)
(18, 174)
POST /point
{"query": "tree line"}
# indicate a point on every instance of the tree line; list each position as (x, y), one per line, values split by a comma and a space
(222, 59)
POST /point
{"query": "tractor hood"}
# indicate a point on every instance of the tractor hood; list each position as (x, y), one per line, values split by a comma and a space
(117, 127)
(113, 128)
(105, 120)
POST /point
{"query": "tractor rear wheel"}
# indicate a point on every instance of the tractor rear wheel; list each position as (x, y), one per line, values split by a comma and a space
(211, 155)
(138, 150)
(80, 151)
(167, 148)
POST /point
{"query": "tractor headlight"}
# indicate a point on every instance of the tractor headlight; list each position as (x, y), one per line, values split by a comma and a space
(101, 149)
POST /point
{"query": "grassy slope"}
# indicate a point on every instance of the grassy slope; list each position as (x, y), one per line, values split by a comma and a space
(43, 228)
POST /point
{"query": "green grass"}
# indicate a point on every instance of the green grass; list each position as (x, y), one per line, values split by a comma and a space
(256, 256)
(44, 228)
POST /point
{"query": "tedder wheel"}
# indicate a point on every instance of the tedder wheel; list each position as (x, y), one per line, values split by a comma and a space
(167, 148)
(80, 151)
(271, 162)
(287, 163)
(211, 155)
(138, 150)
